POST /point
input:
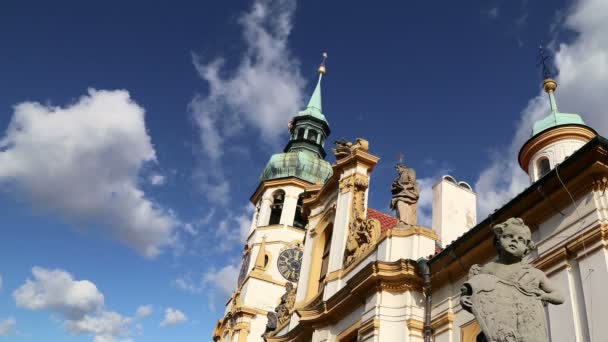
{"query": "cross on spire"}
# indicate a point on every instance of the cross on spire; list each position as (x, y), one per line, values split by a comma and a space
(543, 59)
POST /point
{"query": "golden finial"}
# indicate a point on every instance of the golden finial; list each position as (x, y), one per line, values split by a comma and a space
(322, 66)
(549, 85)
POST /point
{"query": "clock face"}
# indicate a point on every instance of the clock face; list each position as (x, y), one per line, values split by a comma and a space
(289, 264)
(244, 268)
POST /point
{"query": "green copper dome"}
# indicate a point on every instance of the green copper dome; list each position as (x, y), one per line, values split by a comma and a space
(555, 118)
(302, 164)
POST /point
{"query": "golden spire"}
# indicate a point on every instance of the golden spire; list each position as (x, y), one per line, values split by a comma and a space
(322, 70)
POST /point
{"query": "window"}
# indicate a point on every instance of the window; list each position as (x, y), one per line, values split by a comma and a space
(299, 220)
(325, 257)
(278, 197)
(300, 133)
(312, 135)
(543, 167)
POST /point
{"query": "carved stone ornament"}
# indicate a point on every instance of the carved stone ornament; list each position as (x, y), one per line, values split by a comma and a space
(344, 148)
(406, 192)
(355, 182)
(507, 295)
(362, 236)
(288, 300)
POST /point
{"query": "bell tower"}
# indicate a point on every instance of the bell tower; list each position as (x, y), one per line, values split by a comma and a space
(555, 137)
(265, 291)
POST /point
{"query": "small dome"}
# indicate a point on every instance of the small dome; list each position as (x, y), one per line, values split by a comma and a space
(301, 164)
(556, 119)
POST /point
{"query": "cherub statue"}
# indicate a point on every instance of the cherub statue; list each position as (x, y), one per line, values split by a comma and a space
(406, 192)
(507, 295)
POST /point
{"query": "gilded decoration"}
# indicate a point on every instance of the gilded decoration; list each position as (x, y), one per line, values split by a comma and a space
(344, 148)
(363, 233)
(288, 299)
(362, 236)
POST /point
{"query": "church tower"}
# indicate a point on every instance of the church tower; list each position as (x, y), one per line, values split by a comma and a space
(272, 254)
(555, 137)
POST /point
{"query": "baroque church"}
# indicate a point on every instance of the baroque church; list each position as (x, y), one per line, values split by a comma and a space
(320, 265)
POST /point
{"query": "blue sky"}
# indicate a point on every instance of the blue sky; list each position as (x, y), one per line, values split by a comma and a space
(132, 134)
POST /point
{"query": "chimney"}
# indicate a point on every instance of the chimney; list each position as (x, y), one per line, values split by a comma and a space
(454, 209)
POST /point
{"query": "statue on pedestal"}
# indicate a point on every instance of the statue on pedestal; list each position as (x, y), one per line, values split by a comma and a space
(507, 295)
(406, 192)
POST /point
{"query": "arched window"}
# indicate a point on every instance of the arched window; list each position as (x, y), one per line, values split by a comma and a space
(312, 135)
(542, 167)
(278, 197)
(325, 257)
(301, 133)
(298, 219)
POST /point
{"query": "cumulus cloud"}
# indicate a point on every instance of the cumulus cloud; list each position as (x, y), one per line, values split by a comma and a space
(173, 317)
(78, 302)
(262, 93)
(223, 279)
(56, 290)
(106, 326)
(82, 162)
(7, 326)
(144, 311)
(583, 69)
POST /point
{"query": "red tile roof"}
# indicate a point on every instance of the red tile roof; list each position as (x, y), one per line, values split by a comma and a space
(386, 221)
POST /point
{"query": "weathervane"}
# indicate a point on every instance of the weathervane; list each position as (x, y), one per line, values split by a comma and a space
(542, 60)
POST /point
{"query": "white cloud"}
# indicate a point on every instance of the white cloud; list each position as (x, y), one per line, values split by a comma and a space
(173, 317)
(583, 69)
(186, 284)
(144, 311)
(106, 326)
(223, 279)
(82, 162)
(7, 326)
(56, 290)
(79, 303)
(262, 93)
(157, 179)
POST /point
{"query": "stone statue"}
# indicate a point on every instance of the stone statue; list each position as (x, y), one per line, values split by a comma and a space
(507, 295)
(344, 148)
(406, 192)
(271, 324)
(288, 300)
